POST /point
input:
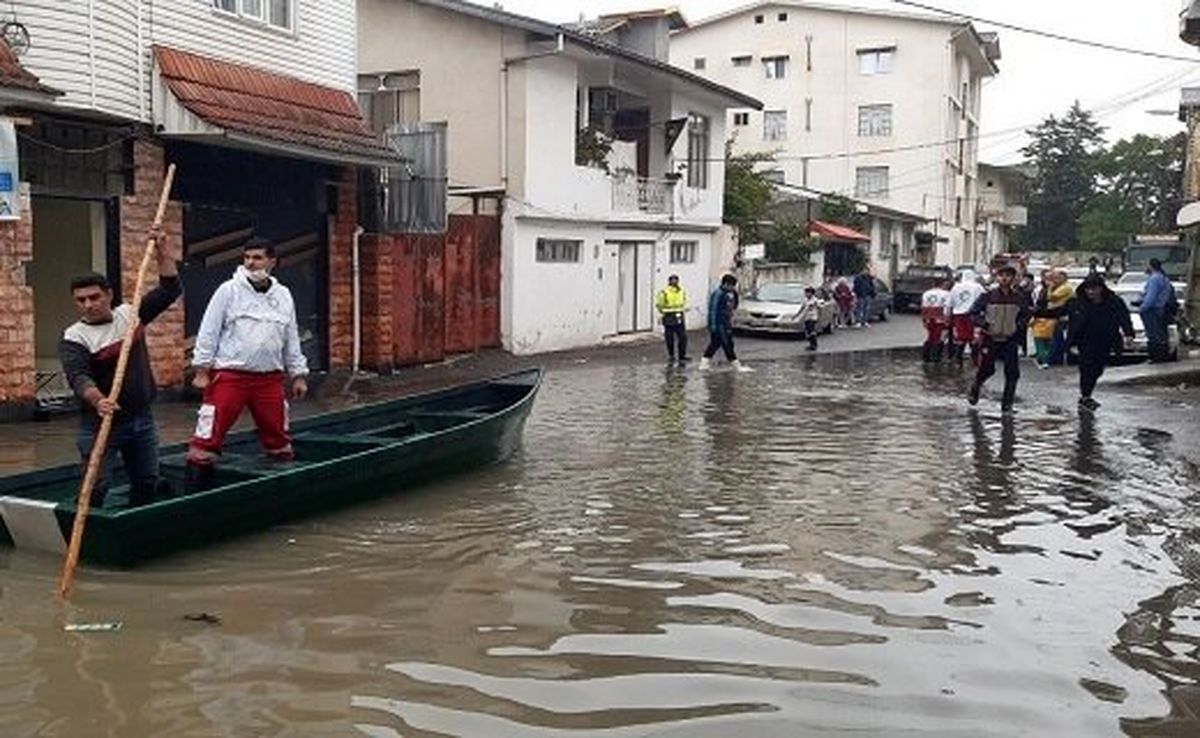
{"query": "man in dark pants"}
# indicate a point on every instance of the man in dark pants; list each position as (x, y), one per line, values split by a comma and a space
(672, 304)
(864, 298)
(1155, 296)
(89, 350)
(721, 305)
(1098, 318)
(1001, 316)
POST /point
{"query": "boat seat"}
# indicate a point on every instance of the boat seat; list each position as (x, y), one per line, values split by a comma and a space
(356, 439)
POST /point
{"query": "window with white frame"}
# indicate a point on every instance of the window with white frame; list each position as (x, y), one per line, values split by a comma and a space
(276, 13)
(741, 119)
(697, 151)
(390, 99)
(684, 252)
(875, 61)
(774, 125)
(871, 182)
(875, 120)
(775, 67)
(559, 250)
(742, 60)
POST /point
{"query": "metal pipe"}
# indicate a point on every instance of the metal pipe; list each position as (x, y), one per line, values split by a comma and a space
(559, 46)
(357, 299)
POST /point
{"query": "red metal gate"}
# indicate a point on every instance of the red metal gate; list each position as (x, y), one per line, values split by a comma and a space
(446, 296)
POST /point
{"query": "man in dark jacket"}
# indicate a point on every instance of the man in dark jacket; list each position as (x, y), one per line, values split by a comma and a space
(864, 297)
(1097, 319)
(89, 350)
(1001, 317)
(722, 303)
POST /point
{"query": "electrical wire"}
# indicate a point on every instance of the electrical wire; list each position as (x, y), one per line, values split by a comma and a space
(1051, 34)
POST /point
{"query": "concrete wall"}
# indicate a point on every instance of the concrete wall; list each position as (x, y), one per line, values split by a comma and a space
(98, 53)
(927, 69)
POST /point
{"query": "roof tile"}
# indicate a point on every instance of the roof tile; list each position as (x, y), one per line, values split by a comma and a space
(15, 76)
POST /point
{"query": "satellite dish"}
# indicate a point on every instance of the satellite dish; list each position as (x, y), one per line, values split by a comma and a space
(1189, 215)
(16, 36)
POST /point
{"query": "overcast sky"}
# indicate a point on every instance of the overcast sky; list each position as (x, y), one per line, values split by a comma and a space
(1038, 76)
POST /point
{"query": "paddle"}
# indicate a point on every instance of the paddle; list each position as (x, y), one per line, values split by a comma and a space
(100, 446)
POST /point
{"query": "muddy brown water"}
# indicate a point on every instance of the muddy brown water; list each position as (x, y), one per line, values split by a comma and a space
(832, 549)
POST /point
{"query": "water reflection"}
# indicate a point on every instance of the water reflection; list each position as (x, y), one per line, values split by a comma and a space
(830, 545)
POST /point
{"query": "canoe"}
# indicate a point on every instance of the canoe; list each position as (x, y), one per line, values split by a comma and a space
(341, 457)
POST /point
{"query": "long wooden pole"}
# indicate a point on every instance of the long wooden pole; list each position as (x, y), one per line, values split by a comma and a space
(100, 446)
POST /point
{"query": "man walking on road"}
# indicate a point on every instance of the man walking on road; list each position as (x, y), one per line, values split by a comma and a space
(963, 297)
(1157, 293)
(248, 339)
(1097, 319)
(1001, 317)
(864, 297)
(89, 351)
(721, 305)
(672, 304)
(935, 314)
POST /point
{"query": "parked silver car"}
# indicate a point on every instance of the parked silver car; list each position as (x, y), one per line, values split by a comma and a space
(774, 308)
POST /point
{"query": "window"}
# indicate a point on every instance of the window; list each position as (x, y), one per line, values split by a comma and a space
(775, 67)
(875, 61)
(558, 250)
(699, 63)
(683, 252)
(871, 182)
(758, 19)
(390, 99)
(697, 151)
(741, 119)
(875, 120)
(742, 61)
(277, 13)
(774, 125)
(783, 17)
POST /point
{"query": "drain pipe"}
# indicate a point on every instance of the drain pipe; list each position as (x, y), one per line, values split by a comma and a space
(560, 45)
(357, 300)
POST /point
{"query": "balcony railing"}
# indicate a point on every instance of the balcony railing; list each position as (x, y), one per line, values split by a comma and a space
(641, 195)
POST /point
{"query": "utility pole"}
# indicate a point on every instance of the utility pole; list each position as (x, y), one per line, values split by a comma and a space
(1189, 112)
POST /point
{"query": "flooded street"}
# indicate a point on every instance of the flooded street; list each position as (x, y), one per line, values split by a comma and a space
(828, 546)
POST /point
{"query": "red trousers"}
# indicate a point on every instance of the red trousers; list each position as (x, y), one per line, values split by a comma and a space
(229, 392)
(935, 332)
(964, 329)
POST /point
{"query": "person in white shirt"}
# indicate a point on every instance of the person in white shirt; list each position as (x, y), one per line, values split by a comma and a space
(809, 314)
(963, 297)
(935, 314)
(248, 343)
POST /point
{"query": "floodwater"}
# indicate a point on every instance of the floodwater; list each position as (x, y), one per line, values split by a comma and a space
(828, 547)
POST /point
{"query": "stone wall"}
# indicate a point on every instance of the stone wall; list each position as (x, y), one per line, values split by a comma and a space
(376, 272)
(17, 366)
(341, 285)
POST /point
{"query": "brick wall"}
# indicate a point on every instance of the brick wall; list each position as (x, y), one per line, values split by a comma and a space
(376, 270)
(17, 367)
(165, 335)
(341, 239)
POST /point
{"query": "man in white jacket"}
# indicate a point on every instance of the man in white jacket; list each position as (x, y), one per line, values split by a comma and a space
(247, 345)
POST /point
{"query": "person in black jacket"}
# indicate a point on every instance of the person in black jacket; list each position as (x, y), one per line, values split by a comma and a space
(89, 351)
(1097, 319)
(1001, 317)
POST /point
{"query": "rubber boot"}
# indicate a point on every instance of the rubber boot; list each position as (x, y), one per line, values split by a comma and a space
(197, 477)
(737, 364)
(142, 493)
(705, 363)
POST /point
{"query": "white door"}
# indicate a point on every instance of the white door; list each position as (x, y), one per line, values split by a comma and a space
(635, 286)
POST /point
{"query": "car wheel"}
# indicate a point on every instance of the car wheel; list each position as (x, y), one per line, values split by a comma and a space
(885, 314)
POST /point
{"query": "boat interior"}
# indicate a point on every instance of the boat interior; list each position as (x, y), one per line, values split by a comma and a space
(316, 440)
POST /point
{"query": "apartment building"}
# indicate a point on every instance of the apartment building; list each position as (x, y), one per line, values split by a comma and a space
(878, 105)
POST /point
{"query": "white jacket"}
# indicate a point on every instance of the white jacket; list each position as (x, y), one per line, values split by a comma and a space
(250, 330)
(964, 295)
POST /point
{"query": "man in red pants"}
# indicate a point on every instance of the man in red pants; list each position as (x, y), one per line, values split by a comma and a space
(247, 345)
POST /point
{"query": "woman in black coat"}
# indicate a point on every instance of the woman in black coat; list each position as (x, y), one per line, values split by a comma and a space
(1098, 318)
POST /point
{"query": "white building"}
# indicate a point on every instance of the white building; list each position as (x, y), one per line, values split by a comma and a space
(1002, 209)
(583, 249)
(879, 105)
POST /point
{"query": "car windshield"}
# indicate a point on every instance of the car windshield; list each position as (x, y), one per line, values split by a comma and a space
(926, 272)
(793, 293)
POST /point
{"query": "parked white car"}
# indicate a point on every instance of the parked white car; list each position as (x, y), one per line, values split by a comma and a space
(774, 308)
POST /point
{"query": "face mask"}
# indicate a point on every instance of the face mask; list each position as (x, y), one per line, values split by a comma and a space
(258, 275)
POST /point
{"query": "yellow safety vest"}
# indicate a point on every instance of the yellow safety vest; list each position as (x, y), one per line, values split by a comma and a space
(671, 300)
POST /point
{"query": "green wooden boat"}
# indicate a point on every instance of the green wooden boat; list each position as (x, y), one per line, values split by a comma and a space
(341, 457)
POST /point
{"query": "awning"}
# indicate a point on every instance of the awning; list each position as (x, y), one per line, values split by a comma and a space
(18, 84)
(239, 106)
(835, 232)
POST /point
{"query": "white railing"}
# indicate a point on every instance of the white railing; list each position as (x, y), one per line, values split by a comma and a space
(640, 195)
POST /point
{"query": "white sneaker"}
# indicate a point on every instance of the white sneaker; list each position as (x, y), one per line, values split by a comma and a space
(737, 364)
(705, 364)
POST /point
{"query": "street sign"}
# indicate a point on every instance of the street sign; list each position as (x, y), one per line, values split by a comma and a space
(753, 251)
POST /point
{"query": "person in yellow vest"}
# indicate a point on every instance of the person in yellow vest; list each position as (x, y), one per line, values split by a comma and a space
(1054, 294)
(672, 303)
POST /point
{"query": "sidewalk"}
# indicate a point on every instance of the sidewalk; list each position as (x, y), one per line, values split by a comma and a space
(1185, 371)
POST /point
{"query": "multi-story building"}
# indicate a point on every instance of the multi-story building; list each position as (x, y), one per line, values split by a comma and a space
(606, 157)
(252, 99)
(878, 105)
(1002, 209)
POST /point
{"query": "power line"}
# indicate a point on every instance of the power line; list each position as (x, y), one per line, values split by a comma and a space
(1051, 34)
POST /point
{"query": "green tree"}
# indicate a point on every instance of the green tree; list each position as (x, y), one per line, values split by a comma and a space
(1108, 223)
(788, 240)
(1065, 153)
(842, 211)
(1144, 175)
(748, 193)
